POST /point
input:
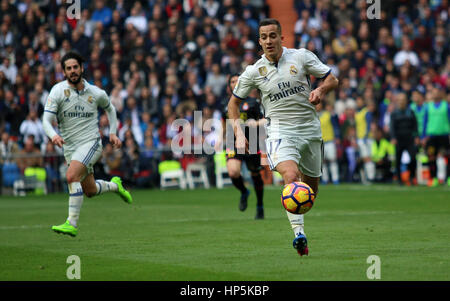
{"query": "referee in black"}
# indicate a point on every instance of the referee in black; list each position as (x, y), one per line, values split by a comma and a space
(250, 112)
(404, 135)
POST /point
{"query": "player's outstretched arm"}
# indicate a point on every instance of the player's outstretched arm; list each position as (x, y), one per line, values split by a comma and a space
(47, 120)
(317, 95)
(112, 118)
(234, 114)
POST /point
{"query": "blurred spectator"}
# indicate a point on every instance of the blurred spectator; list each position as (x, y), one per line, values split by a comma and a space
(52, 161)
(331, 138)
(137, 18)
(344, 43)
(134, 129)
(130, 158)
(112, 160)
(8, 148)
(132, 120)
(342, 13)
(102, 13)
(435, 133)
(30, 155)
(149, 103)
(406, 54)
(32, 127)
(34, 104)
(363, 121)
(382, 155)
(148, 165)
(211, 7)
(216, 80)
(13, 114)
(418, 107)
(9, 69)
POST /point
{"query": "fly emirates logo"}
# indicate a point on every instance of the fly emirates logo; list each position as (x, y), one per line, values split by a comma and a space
(285, 91)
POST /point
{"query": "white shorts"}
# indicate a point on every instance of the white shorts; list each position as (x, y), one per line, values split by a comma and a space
(308, 153)
(329, 151)
(364, 147)
(87, 153)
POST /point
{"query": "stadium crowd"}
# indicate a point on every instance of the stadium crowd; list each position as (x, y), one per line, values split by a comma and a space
(161, 60)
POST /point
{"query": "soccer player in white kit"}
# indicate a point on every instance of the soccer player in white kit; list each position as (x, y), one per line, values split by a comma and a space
(294, 139)
(74, 104)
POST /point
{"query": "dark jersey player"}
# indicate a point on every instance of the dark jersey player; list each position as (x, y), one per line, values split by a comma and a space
(251, 115)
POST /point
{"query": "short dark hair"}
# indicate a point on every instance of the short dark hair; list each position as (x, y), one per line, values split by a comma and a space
(230, 77)
(72, 55)
(270, 21)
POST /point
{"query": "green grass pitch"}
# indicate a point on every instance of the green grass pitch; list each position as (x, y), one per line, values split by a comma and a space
(201, 235)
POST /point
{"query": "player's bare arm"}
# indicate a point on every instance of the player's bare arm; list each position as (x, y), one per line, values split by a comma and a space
(234, 114)
(318, 94)
(115, 141)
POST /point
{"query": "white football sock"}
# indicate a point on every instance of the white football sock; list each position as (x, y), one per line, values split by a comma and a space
(370, 170)
(104, 186)
(441, 168)
(75, 202)
(325, 177)
(297, 223)
(334, 171)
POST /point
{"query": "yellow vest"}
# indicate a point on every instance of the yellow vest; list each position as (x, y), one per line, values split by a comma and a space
(327, 126)
(361, 124)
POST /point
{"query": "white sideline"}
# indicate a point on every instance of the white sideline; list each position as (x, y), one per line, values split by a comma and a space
(22, 227)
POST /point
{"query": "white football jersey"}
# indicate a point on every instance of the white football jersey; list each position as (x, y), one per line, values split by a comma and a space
(76, 111)
(285, 89)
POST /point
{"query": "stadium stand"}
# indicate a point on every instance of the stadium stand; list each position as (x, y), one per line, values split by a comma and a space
(162, 60)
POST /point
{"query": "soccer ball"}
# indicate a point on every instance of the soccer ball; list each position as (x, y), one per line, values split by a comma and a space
(297, 197)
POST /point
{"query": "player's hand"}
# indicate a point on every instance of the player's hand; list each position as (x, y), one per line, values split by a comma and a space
(316, 96)
(58, 140)
(252, 123)
(241, 144)
(115, 141)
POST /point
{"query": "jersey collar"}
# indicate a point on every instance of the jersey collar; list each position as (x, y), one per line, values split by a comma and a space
(272, 63)
(85, 84)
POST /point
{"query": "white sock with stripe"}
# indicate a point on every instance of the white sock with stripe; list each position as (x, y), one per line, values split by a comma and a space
(297, 223)
(75, 202)
(104, 186)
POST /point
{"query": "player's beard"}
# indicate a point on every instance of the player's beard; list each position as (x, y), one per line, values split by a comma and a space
(75, 81)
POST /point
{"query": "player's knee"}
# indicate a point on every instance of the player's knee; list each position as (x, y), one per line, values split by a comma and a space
(72, 177)
(290, 176)
(234, 173)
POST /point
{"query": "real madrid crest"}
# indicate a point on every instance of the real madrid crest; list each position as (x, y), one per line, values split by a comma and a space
(67, 92)
(293, 70)
(90, 99)
(262, 70)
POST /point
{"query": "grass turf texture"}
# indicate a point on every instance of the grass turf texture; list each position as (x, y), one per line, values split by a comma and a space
(201, 235)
